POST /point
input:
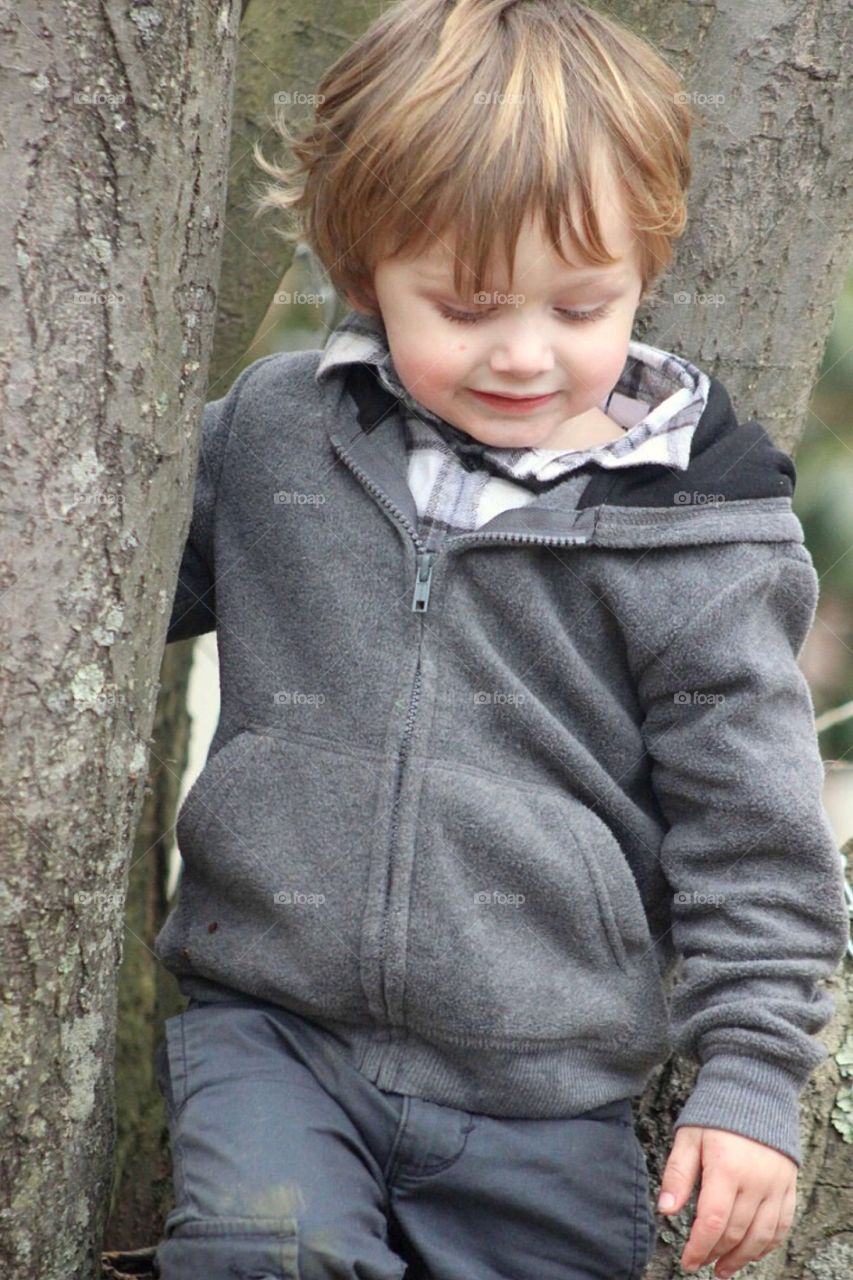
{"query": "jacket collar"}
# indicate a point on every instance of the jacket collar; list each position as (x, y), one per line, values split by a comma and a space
(737, 485)
(658, 401)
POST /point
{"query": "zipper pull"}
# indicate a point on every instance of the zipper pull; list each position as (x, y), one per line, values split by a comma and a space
(422, 581)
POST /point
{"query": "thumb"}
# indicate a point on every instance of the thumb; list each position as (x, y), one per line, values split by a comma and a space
(681, 1169)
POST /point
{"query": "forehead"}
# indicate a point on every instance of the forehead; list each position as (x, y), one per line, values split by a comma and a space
(433, 271)
(535, 254)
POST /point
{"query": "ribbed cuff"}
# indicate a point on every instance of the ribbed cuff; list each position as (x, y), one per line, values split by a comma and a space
(748, 1096)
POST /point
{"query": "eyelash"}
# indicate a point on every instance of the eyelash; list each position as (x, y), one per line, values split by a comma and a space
(577, 317)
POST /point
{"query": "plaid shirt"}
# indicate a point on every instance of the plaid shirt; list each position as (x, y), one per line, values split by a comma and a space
(458, 483)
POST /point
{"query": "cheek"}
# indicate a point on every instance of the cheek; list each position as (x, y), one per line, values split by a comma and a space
(604, 358)
(426, 369)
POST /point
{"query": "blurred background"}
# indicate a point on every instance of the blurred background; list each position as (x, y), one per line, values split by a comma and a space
(306, 308)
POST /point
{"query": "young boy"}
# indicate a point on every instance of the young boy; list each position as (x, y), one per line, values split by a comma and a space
(508, 611)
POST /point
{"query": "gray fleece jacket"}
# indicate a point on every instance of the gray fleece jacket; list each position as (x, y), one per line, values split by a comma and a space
(518, 818)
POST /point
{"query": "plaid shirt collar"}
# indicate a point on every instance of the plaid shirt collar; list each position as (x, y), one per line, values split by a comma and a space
(658, 400)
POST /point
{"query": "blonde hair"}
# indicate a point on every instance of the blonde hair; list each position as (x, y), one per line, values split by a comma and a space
(476, 114)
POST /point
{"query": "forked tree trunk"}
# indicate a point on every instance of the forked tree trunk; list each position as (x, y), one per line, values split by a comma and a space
(116, 124)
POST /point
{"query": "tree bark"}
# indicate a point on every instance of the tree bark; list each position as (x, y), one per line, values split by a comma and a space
(750, 298)
(116, 124)
(118, 186)
(142, 1188)
(752, 291)
(281, 50)
(284, 50)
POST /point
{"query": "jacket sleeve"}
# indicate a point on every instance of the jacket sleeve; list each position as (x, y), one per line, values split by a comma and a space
(194, 603)
(758, 907)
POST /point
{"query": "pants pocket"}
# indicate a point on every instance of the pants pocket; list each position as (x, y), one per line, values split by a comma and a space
(170, 1065)
(223, 1248)
(646, 1225)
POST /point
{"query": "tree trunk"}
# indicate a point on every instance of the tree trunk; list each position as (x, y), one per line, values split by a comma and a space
(150, 151)
(280, 50)
(750, 298)
(284, 50)
(751, 294)
(116, 124)
(147, 995)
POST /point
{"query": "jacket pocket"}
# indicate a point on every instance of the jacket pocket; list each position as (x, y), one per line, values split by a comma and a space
(526, 921)
(275, 847)
(200, 803)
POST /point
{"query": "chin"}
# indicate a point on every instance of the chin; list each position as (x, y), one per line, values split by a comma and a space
(513, 436)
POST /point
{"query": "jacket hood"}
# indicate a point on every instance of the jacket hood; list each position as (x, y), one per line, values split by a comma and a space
(738, 484)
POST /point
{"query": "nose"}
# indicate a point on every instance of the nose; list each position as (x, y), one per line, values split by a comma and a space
(521, 349)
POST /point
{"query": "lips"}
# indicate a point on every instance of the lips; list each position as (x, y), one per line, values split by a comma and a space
(505, 395)
(512, 404)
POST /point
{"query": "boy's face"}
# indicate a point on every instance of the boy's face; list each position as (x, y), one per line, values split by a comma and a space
(522, 345)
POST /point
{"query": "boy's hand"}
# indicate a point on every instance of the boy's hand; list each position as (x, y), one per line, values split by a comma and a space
(746, 1200)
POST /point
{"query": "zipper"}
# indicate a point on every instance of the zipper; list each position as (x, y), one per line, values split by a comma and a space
(423, 576)
(398, 782)
(424, 560)
(381, 495)
(423, 581)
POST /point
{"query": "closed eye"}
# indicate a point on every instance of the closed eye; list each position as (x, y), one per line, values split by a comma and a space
(574, 317)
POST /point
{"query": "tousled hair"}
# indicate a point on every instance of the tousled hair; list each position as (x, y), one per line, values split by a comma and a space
(475, 114)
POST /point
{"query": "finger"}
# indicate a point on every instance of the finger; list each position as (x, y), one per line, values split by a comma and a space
(785, 1219)
(760, 1239)
(789, 1209)
(681, 1170)
(719, 1208)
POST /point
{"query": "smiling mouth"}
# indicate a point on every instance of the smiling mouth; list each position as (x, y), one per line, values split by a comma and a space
(500, 401)
(503, 395)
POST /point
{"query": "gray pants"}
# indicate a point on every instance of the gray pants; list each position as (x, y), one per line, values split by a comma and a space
(288, 1164)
